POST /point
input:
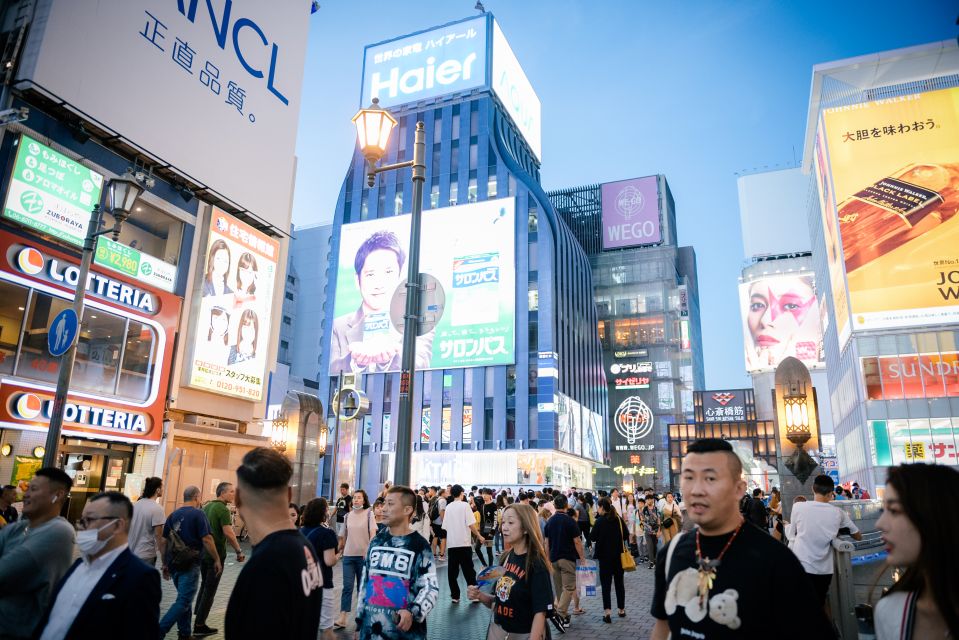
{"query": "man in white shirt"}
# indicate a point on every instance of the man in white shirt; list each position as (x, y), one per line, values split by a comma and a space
(815, 525)
(108, 585)
(460, 526)
(619, 502)
(146, 528)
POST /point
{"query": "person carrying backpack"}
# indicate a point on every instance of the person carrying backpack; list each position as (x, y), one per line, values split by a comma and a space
(652, 523)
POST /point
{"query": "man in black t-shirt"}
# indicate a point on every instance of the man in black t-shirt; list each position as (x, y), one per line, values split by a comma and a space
(565, 547)
(278, 594)
(757, 583)
(343, 505)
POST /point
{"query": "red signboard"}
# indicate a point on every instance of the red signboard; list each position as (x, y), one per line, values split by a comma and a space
(927, 375)
(26, 400)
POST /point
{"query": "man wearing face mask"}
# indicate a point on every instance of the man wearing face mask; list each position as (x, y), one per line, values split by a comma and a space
(108, 584)
(35, 552)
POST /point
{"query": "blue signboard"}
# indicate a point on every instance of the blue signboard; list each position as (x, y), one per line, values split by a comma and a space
(62, 332)
(425, 65)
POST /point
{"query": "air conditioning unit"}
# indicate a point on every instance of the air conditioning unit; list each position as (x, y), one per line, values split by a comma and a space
(228, 425)
(202, 421)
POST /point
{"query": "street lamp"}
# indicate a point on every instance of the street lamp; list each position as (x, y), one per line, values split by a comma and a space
(118, 198)
(373, 128)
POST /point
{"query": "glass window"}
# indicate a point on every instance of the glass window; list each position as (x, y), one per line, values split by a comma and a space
(533, 300)
(474, 123)
(454, 192)
(471, 191)
(455, 158)
(435, 196)
(491, 186)
(468, 386)
(288, 295)
(467, 424)
(398, 203)
(102, 337)
(474, 156)
(139, 361)
(365, 205)
(34, 362)
(437, 130)
(401, 135)
(533, 258)
(436, 161)
(13, 302)
(455, 131)
(150, 230)
(533, 222)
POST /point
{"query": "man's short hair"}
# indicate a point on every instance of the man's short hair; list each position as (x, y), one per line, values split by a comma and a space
(378, 240)
(345, 485)
(56, 477)
(407, 498)
(222, 487)
(456, 491)
(757, 492)
(191, 493)
(151, 485)
(560, 501)
(714, 445)
(265, 469)
(823, 485)
(120, 505)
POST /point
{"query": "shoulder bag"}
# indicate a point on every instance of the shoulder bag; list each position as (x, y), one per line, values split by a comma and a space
(625, 557)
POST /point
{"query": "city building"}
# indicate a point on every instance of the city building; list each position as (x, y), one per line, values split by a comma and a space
(780, 299)
(179, 328)
(509, 387)
(647, 296)
(310, 262)
(881, 148)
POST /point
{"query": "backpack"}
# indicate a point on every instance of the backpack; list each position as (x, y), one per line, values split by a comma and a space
(434, 509)
(180, 556)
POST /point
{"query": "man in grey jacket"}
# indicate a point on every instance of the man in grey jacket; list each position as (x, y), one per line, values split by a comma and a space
(35, 552)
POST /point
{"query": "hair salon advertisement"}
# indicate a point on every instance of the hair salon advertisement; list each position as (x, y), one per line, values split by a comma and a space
(470, 306)
(781, 318)
(232, 337)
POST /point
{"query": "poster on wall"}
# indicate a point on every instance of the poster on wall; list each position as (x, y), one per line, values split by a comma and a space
(231, 342)
(24, 468)
(594, 444)
(534, 468)
(781, 319)
(468, 249)
(892, 169)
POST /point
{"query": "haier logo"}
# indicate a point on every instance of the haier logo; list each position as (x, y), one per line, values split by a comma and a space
(445, 60)
(29, 406)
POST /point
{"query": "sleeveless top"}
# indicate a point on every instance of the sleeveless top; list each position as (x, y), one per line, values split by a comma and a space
(895, 615)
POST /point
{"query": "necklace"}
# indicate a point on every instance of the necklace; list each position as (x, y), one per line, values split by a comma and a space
(707, 567)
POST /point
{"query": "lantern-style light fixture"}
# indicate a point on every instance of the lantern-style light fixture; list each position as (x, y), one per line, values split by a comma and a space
(119, 198)
(373, 127)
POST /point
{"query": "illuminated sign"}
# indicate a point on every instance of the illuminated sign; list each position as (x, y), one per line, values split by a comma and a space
(633, 419)
(927, 375)
(630, 214)
(136, 264)
(426, 65)
(723, 406)
(513, 88)
(29, 406)
(781, 319)
(631, 353)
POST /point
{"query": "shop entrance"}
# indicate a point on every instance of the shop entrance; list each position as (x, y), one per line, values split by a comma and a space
(94, 467)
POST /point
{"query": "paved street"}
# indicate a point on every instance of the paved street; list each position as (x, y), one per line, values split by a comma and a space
(466, 621)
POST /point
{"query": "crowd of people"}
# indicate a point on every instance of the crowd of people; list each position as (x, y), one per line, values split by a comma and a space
(718, 560)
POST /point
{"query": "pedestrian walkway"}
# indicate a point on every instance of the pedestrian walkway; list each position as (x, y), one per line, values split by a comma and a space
(465, 621)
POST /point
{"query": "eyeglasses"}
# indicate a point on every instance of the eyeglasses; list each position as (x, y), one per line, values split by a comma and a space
(83, 523)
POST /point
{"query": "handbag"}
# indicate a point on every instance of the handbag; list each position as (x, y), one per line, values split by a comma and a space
(625, 558)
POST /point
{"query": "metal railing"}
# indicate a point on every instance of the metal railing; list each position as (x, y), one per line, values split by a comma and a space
(857, 573)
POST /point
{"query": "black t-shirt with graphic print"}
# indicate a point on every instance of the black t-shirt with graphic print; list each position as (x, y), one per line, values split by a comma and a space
(759, 584)
(520, 595)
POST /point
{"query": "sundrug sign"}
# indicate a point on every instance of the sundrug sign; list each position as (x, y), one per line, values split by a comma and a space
(445, 60)
(516, 93)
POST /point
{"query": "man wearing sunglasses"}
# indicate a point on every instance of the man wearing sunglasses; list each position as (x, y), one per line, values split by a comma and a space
(107, 585)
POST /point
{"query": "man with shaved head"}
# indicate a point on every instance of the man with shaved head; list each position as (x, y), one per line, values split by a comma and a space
(727, 578)
(187, 533)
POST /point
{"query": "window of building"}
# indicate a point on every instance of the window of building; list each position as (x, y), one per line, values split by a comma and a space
(471, 191)
(365, 205)
(533, 256)
(454, 192)
(455, 130)
(511, 186)
(455, 157)
(626, 306)
(491, 187)
(618, 274)
(468, 385)
(474, 156)
(150, 230)
(139, 362)
(634, 332)
(533, 300)
(467, 424)
(13, 302)
(438, 129)
(287, 320)
(398, 203)
(533, 220)
(288, 295)
(603, 329)
(290, 280)
(474, 122)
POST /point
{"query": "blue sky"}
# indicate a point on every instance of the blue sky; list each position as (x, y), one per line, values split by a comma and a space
(696, 93)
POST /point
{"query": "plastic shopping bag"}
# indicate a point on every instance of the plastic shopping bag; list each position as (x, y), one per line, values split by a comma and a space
(586, 572)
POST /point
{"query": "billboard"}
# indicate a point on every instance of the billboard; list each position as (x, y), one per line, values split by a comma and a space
(232, 337)
(513, 88)
(919, 375)
(890, 173)
(781, 319)
(730, 405)
(426, 65)
(469, 251)
(218, 79)
(631, 213)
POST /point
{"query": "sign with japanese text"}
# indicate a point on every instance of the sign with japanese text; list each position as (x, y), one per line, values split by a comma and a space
(513, 88)
(724, 406)
(232, 336)
(925, 440)
(631, 213)
(781, 318)
(630, 375)
(890, 169)
(448, 59)
(212, 81)
(50, 192)
(147, 269)
(468, 249)
(925, 375)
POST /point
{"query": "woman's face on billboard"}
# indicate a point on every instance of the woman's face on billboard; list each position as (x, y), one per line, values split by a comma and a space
(780, 310)
(247, 332)
(221, 263)
(378, 279)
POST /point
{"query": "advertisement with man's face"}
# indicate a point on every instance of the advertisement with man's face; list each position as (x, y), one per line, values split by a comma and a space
(894, 165)
(468, 250)
(780, 319)
(233, 331)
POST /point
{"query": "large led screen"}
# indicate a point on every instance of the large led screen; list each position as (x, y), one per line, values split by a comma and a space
(232, 338)
(469, 251)
(780, 319)
(892, 169)
(631, 213)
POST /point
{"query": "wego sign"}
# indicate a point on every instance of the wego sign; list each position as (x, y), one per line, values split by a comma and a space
(631, 213)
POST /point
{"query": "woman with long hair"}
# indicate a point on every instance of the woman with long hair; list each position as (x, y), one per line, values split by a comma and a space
(324, 541)
(918, 527)
(630, 517)
(359, 529)
(672, 511)
(609, 535)
(217, 268)
(524, 593)
(247, 335)
(501, 503)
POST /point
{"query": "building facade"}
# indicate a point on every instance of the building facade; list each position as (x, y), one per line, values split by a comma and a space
(881, 149)
(169, 378)
(537, 415)
(647, 297)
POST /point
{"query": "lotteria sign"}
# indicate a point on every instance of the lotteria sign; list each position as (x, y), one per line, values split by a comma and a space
(425, 65)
